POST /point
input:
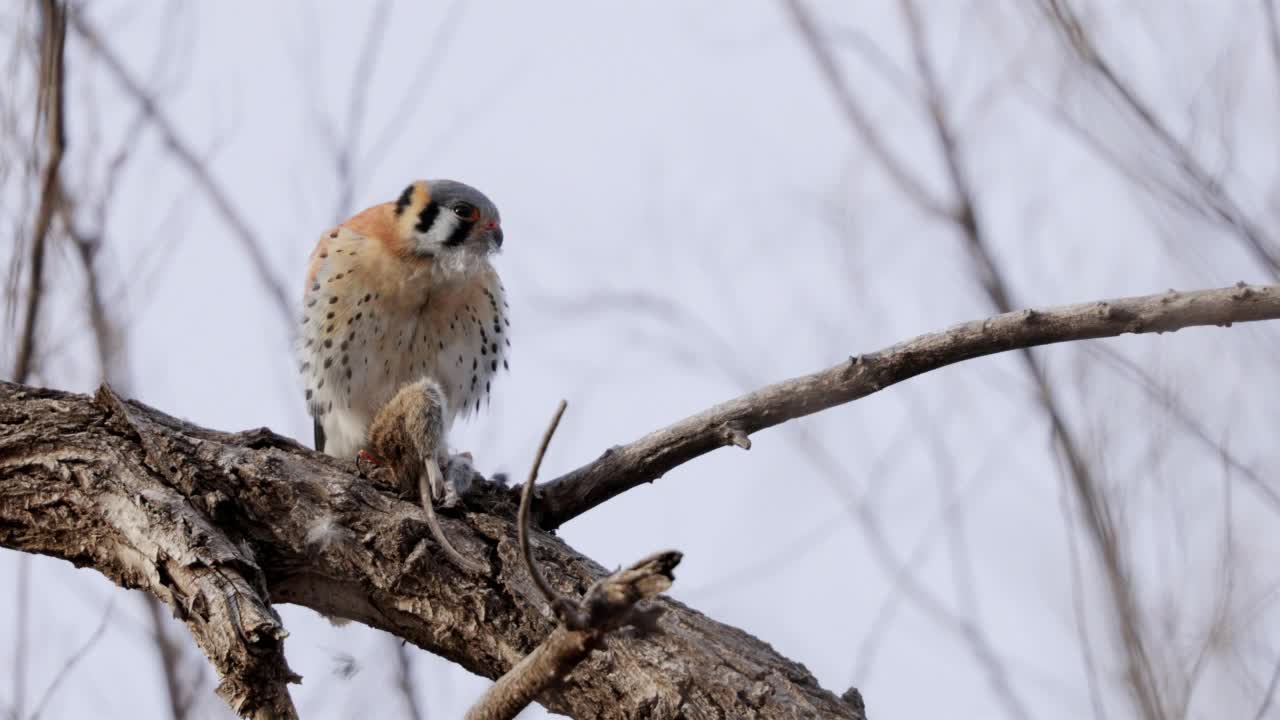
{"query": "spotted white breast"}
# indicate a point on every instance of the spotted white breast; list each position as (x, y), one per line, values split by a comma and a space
(375, 318)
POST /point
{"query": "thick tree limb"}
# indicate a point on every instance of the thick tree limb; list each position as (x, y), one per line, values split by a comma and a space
(99, 506)
(218, 524)
(622, 468)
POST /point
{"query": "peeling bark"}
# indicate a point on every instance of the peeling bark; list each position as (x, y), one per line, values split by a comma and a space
(220, 525)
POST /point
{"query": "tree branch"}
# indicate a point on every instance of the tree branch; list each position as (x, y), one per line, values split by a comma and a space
(608, 605)
(186, 157)
(53, 39)
(622, 468)
(854, 113)
(218, 525)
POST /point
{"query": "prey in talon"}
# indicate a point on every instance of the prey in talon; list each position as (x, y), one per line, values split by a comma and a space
(404, 329)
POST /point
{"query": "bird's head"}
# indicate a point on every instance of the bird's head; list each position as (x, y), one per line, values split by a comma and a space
(448, 220)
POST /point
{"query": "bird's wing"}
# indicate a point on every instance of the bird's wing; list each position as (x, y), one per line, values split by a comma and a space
(319, 436)
(333, 293)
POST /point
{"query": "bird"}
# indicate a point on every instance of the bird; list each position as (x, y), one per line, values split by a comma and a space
(403, 297)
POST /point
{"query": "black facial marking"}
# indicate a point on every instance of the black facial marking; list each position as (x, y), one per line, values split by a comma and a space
(427, 217)
(460, 233)
(403, 201)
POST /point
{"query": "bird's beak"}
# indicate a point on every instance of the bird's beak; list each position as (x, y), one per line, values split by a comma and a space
(495, 237)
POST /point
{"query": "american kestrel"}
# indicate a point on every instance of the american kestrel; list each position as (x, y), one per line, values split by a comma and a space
(403, 296)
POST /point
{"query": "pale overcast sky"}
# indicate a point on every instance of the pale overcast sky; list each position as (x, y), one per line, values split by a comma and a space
(688, 216)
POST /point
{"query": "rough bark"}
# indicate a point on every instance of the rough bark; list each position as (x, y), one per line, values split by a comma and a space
(610, 604)
(220, 525)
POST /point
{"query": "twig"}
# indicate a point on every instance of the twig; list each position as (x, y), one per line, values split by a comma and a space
(71, 662)
(1094, 504)
(648, 458)
(170, 654)
(1273, 34)
(855, 114)
(404, 679)
(249, 241)
(418, 84)
(609, 604)
(558, 604)
(357, 105)
(1256, 240)
(1269, 697)
(50, 108)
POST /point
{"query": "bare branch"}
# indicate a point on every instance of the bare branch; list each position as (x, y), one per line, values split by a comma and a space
(418, 83)
(170, 653)
(1269, 696)
(1273, 34)
(911, 186)
(344, 152)
(609, 604)
(1094, 505)
(49, 110)
(249, 241)
(624, 467)
(404, 680)
(1224, 208)
(72, 661)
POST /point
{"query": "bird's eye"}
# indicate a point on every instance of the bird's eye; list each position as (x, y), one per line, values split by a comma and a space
(467, 211)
